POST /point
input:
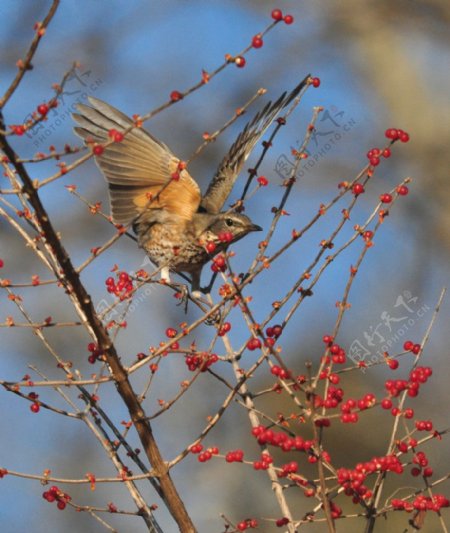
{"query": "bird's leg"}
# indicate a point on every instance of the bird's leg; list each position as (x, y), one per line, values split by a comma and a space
(195, 284)
(165, 274)
(196, 292)
(207, 289)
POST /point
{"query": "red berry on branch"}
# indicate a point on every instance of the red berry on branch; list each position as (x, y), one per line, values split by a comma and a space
(171, 333)
(175, 96)
(240, 61)
(357, 189)
(210, 247)
(98, 149)
(263, 181)
(42, 109)
(402, 190)
(257, 41)
(386, 198)
(288, 19)
(391, 133)
(393, 364)
(315, 82)
(277, 14)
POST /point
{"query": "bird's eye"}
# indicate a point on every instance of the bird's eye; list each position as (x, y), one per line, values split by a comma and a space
(229, 222)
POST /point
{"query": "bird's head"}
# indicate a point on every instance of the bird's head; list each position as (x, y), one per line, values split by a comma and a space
(236, 224)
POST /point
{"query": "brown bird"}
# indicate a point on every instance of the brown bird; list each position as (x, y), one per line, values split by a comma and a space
(149, 189)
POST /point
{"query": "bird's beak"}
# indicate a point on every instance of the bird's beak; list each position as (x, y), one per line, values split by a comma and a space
(255, 227)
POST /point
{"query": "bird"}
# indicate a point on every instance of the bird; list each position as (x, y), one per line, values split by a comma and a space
(151, 190)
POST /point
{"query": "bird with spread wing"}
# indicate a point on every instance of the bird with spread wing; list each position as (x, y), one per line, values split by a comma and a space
(150, 189)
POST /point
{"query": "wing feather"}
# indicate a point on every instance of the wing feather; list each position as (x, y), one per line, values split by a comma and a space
(138, 169)
(221, 185)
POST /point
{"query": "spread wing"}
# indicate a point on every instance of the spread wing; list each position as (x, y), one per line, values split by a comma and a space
(220, 187)
(137, 169)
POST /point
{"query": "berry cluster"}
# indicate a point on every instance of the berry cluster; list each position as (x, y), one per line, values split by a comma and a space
(374, 155)
(225, 236)
(201, 361)
(280, 372)
(417, 377)
(352, 480)
(277, 15)
(281, 439)
(264, 462)
(253, 344)
(348, 415)
(219, 263)
(421, 460)
(115, 135)
(248, 523)
(397, 134)
(35, 406)
(224, 329)
(122, 287)
(235, 456)
(96, 353)
(206, 455)
(55, 494)
(421, 503)
(409, 346)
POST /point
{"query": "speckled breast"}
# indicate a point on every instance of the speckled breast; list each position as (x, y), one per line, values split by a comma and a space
(172, 247)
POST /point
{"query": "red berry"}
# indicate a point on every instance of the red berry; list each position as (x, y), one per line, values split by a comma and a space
(393, 364)
(210, 247)
(225, 236)
(175, 96)
(253, 344)
(386, 198)
(374, 161)
(42, 109)
(416, 349)
(263, 181)
(408, 346)
(98, 149)
(315, 82)
(357, 189)
(118, 137)
(2, 263)
(257, 41)
(288, 19)
(428, 472)
(403, 136)
(18, 130)
(171, 333)
(402, 190)
(386, 153)
(277, 330)
(226, 327)
(35, 408)
(391, 133)
(240, 61)
(277, 14)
